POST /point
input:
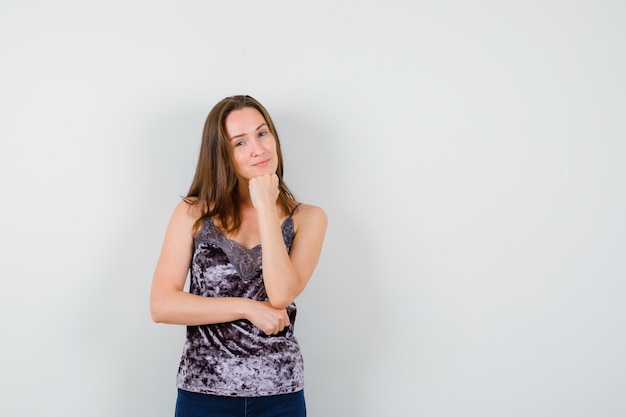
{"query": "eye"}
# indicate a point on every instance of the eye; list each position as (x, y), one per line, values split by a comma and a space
(263, 133)
(239, 143)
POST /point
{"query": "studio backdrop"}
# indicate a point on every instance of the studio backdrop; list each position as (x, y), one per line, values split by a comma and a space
(470, 155)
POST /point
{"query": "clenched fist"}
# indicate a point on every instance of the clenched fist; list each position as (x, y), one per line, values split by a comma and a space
(270, 320)
(263, 191)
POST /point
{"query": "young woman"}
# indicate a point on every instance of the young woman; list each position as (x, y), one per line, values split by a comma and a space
(250, 249)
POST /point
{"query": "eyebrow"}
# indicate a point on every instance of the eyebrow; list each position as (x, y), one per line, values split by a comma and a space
(244, 134)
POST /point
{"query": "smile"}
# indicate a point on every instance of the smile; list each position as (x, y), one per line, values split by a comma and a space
(261, 164)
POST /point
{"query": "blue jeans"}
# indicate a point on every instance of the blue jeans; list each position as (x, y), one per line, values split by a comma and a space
(192, 404)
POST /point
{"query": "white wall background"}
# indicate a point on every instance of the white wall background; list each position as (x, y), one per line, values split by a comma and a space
(470, 156)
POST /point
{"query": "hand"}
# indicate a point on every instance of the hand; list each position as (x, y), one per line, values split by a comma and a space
(263, 190)
(270, 320)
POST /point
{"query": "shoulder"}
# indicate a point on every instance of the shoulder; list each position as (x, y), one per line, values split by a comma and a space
(187, 212)
(307, 215)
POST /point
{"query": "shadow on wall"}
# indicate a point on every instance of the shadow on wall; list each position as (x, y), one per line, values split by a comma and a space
(341, 325)
(344, 325)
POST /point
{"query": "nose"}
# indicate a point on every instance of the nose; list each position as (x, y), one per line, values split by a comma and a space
(256, 148)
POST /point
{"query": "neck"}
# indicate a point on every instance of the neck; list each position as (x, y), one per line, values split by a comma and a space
(243, 193)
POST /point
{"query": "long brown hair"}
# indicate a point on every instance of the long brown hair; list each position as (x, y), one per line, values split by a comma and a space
(214, 186)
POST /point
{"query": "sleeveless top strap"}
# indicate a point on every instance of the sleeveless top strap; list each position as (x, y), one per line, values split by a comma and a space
(294, 209)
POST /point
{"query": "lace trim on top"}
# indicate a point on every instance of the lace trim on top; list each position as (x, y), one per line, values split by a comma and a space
(247, 262)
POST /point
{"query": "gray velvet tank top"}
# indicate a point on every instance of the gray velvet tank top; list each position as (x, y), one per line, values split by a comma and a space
(236, 358)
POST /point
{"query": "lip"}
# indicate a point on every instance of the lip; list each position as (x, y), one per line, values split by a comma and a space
(261, 164)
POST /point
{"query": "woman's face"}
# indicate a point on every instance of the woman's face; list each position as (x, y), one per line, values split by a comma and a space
(254, 146)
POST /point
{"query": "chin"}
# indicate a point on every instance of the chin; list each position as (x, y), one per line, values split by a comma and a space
(267, 171)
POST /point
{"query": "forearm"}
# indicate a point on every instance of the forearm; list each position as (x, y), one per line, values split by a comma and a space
(179, 307)
(281, 279)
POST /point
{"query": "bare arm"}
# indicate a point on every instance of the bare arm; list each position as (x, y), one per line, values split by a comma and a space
(170, 304)
(285, 275)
